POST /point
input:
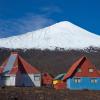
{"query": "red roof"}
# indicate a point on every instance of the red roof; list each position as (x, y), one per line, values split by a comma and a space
(28, 67)
(2, 66)
(99, 71)
(19, 65)
(84, 64)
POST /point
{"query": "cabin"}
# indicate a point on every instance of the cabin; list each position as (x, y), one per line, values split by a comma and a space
(15, 71)
(82, 75)
(58, 82)
(47, 79)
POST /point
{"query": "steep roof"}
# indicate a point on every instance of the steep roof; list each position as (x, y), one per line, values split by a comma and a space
(99, 71)
(15, 63)
(83, 63)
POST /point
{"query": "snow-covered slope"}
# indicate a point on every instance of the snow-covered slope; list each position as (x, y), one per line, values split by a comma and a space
(62, 35)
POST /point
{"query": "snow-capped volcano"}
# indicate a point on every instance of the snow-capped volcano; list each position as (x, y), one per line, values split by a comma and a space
(62, 35)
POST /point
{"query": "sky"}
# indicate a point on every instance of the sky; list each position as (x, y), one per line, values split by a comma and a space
(21, 16)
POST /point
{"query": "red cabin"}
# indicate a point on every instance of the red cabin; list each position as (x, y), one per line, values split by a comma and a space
(47, 79)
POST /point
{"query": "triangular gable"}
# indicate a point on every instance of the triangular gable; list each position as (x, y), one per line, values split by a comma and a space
(84, 64)
(72, 68)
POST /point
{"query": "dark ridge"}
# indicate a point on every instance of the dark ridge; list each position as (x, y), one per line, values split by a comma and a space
(54, 62)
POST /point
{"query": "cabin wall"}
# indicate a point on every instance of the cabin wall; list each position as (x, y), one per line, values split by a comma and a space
(36, 79)
(18, 79)
(23, 80)
(33, 80)
(7, 80)
(28, 80)
(85, 83)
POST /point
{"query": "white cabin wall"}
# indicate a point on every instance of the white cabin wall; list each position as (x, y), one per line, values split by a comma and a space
(10, 81)
(7, 81)
(21, 80)
(37, 83)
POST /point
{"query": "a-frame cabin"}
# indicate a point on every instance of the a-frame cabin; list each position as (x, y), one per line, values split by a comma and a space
(15, 71)
(82, 75)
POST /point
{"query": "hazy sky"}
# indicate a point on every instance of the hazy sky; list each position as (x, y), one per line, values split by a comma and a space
(21, 16)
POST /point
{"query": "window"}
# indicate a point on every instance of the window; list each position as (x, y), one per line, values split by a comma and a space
(91, 70)
(36, 77)
(5, 77)
(93, 80)
(79, 70)
(77, 80)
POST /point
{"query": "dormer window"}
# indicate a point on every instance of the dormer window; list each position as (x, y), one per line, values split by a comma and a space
(91, 70)
(79, 70)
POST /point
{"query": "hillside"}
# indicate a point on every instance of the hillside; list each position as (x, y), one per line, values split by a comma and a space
(54, 62)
